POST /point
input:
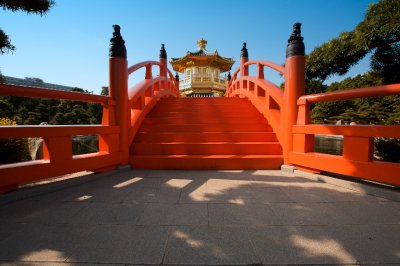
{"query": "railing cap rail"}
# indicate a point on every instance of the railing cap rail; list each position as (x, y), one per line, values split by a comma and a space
(139, 65)
(35, 92)
(269, 64)
(376, 91)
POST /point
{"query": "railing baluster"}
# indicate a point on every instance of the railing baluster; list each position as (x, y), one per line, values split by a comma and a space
(260, 73)
(149, 74)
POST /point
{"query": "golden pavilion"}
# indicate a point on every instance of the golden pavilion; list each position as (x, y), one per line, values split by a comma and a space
(202, 72)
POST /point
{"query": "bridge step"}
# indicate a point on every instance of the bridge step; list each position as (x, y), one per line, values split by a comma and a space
(203, 162)
(204, 113)
(205, 128)
(204, 120)
(205, 133)
(210, 148)
(152, 137)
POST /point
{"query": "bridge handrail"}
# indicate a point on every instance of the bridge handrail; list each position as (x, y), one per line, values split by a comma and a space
(264, 95)
(139, 65)
(171, 75)
(376, 91)
(35, 92)
(24, 131)
(283, 107)
(272, 65)
(121, 116)
(358, 140)
(143, 97)
(148, 65)
(260, 64)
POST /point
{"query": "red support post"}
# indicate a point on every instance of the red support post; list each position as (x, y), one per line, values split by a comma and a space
(244, 57)
(176, 89)
(118, 90)
(163, 61)
(149, 74)
(260, 73)
(294, 88)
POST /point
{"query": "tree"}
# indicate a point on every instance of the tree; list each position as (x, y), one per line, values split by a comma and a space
(40, 7)
(104, 91)
(386, 62)
(378, 33)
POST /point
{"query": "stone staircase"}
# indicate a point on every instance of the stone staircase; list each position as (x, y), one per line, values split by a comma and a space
(205, 133)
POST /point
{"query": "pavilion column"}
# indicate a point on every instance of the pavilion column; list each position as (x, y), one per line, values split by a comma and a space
(294, 88)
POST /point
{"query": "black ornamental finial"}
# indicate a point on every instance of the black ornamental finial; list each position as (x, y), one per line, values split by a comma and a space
(229, 76)
(244, 52)
(176, 77)
(295, 43)
(163, 52)
(117, 44)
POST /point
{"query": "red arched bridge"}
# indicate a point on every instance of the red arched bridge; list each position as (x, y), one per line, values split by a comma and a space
(257, 125)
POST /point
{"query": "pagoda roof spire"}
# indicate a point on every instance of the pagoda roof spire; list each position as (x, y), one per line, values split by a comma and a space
(202, 57)
(202, 44)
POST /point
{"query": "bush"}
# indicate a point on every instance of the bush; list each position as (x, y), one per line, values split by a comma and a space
(13, 150)
(388, 149)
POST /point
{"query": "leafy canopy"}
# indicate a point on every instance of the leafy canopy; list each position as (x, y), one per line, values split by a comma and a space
(39, 7)
(378, 33)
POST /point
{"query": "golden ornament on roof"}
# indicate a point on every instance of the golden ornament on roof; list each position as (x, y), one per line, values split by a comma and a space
(202, 43)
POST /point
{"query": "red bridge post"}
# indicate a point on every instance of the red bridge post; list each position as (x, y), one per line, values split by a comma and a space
(163, 61)
(294, 88)
(118, 90)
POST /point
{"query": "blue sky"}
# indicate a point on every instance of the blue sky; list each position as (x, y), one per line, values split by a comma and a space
(69, 46)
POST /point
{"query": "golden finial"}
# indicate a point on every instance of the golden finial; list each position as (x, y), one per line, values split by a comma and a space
(202, 43)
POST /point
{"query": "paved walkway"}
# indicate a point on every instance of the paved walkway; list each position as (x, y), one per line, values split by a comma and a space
(200, 218)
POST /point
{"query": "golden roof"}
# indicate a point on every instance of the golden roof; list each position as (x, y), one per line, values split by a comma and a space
(202, 58)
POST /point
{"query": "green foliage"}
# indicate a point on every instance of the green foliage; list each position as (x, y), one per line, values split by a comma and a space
(315, 86)
(40, 7)
(33, 111)
(377, 110)
(5, 108)
(386, 62)
(388, 149)
(85, 144)
(12, 150)
(30, 6)
(334, 57)
(378, 33)
(5, 44)
(374, 110)
(104, 91)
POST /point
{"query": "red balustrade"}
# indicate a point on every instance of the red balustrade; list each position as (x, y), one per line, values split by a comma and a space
(123, 113)
(288, 111)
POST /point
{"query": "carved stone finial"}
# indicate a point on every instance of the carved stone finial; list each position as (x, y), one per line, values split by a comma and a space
(295, 43)
(163, 52)
(229, 76)
(176, 76)
(117, 43)
(244, 52)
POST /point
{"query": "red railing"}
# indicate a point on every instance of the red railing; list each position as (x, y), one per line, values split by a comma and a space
(358, 140)
(265, 95)
(289, 114)
(123, 113)
(57, 141)
(144, 95)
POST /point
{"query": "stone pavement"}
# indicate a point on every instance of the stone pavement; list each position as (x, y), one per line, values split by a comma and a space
(200, 218)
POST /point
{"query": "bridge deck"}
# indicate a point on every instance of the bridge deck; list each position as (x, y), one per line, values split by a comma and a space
(200, 218)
